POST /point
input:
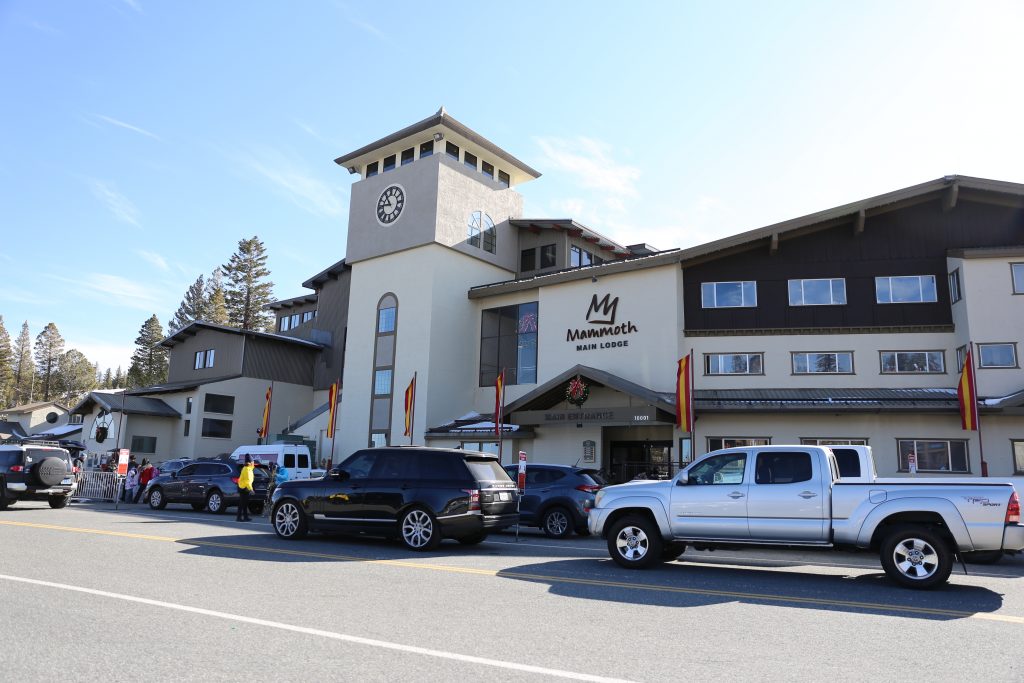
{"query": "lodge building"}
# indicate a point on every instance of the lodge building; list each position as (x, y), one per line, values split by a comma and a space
(850, 325)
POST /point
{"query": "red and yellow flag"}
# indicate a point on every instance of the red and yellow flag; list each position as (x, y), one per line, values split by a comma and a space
(684, 393)
(499, 402)
(967, 394)
(332, 409)
(264, 429)
(410, 405)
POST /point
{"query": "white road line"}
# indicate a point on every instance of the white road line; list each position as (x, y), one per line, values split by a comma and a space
(371, 642)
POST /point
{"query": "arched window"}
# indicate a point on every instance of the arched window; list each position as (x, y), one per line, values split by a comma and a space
(480, 231)
(382, 380)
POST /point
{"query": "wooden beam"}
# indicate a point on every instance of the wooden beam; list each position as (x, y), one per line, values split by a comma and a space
(773, 248)
(858, 223)
(949, 197)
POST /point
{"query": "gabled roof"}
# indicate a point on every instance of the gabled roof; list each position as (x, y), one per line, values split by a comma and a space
(193, 328)
(552, 392)
(575, 229)
(300, 300)
(186, 385)
(130, 405)
(29, 407)
(326, 274)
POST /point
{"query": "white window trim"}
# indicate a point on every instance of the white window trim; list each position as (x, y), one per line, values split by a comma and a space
(707, 357)
(831, 290)
(922, 300)
(1013, 347)
(743, 303)
(897, 371)
(1013, 281)
(949, 455)
(794, 354)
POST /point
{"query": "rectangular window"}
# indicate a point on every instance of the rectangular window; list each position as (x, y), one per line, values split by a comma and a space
(504, 179)
(490, 237)
(371, 170)
(219, 403)
(1018, 455)
(961, 355)
(1017, 273)
(386, 320)
(733, 364)
(188, 405)
(188, 427)
(308, 315)
(469, 160)
(285, 325)
(295, 320)
(451, 150)
(823, 363)
(382, 383)
(200, 356)
(389, 163)
(547, 256)
(586, 258)
(728, 294)
(716, 443)
(933, 456)
(217, 429)
(817, 292)
(508, 340)
(905, 289)
(913, 362)
(782, 467)
(209, 357)
(575, 259)
(426, 149)
(997, 355)
(487, 169)
(527, 260)
(408, 156)
(954, 286)
(144, 444)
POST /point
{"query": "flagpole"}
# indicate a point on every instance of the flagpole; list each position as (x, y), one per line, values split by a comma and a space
(334, 417)
(498, 419)
(412, 416)
(974, 398)
(693, 412)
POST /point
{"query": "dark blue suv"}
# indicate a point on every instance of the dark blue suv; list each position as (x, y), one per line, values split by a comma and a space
(557, 497)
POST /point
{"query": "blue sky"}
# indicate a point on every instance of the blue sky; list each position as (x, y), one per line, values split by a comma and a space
(141, 139)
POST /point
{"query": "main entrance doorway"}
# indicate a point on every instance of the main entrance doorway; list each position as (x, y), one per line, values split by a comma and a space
(629, 459)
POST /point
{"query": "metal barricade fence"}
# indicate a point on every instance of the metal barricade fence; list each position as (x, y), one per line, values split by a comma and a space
(96, 485)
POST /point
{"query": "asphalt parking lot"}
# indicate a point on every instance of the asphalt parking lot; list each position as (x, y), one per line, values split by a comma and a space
(101, 594)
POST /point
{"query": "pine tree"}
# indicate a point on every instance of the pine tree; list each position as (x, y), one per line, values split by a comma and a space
(216, 303)
(108, 380)
(248, 289)
(192, 308)
(149, 362)
(24, 372)
(6, 368)
(49, 347)
(76, 376)
(118, 381)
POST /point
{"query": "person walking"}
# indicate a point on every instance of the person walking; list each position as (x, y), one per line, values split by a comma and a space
(147, 474)
(245, 480)
(131, 483)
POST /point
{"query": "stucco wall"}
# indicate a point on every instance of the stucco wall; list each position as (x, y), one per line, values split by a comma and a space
(995, 315)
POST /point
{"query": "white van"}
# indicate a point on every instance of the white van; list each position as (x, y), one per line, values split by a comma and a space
(294, 457)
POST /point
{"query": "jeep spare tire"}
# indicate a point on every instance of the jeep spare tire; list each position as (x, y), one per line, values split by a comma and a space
(50, 471)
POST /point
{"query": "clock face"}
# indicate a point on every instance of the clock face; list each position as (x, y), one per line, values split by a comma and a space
(390, 204)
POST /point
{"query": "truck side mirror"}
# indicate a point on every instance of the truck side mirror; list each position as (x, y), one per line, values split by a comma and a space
(339, 474)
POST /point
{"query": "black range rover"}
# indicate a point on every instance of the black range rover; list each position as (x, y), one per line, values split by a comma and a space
(416, 494)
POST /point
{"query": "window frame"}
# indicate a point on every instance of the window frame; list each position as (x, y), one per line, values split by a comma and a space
(543, 251)
(487, 169)
(961, 358)
(206, 403)
(532, 253)
(510, 343)
(704, 461)
(1015, 267)
(210, 357)
(372, 169)
(408, 156)
(488, 234)
(209, 421)
(199, 360)
(390, 163)
(466, 156)
(428, 147)
(776, 455)
(748, 354)
(794, 354)
(949, 455)
(897, 371)
(1018, 465)
(452, 150)
(831, 291)
(284, 323)
(474, 229)
(144, 440)
(921, 289)
(955, 286)
(504, 178)
(743, 293)
(981, 356)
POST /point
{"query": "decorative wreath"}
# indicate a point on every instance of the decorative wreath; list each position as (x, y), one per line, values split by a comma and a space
(577, 392)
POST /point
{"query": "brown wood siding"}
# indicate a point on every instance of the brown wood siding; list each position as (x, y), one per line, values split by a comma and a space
(265, 359)
(909, 241)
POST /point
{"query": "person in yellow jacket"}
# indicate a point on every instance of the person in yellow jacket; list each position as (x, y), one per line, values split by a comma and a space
(245, 480)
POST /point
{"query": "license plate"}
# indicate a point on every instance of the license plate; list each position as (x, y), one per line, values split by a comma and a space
(504, 496)
(66, 482)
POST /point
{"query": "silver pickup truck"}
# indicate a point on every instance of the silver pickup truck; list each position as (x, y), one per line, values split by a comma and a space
(795, 496)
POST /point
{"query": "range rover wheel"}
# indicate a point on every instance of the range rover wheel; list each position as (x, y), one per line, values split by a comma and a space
(557, 523)
(157, 500)
(635, 543)
(58, 502)
(916, 557)
(289, 520)
(215, 502)
(418, 530)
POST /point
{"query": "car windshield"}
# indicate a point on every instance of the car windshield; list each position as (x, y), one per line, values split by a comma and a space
(486, 469)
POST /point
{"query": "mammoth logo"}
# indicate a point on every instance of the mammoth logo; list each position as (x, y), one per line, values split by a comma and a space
(101, 427)
(605, 308)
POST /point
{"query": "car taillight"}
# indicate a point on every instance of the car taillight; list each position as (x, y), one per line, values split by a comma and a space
(474, 499)
(588, 488)
(1013, 509)
(16, 468)
(234, 479)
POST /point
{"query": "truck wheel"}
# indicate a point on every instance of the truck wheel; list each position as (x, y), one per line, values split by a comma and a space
(983, 556)
(672, 551)
(917, 557)
(635, 543)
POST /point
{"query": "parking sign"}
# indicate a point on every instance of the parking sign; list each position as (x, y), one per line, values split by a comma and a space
(522, 471)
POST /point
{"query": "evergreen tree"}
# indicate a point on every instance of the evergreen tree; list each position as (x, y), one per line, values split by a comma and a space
(6, 368)
(49, 347)
(24, 372)
(248, 289)
(118, 381)
(76, 376)
(108, 380)
(149, 362)
(216, 303)
(192, 308)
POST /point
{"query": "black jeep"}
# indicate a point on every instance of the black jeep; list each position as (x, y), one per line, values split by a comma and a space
(35, 471)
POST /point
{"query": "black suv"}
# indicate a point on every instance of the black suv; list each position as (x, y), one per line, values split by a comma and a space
(36, 471)
(210, 484)
(419, 495)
